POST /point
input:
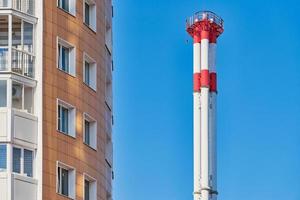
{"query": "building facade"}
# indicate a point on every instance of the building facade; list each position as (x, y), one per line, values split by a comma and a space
(56, 110)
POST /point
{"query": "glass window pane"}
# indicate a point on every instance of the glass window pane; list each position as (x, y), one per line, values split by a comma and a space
(59, 117)
(87, 13)
(64, 4)
(87, 132)
(17, 95)
(16, 160)
(3, 157)
(28, 99)
(64, 54)
(59, 180)
(3, 92)
(28, 162)
(65, 182)
(3, 31)
(86, 190)
(3, 3)
(3, 59)
(87, 73)
(28, 37)
(65, 119)
(16, 33)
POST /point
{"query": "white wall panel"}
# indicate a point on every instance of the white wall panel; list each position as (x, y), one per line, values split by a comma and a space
(24, 188)
(3, 125)
(3, 188)
(25, 128)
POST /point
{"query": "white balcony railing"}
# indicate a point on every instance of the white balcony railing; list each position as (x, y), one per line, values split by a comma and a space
(22, 63)
(25, 6)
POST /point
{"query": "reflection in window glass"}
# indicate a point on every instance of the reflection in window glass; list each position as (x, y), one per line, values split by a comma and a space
(3, 92)
(16, 160)
(3, 157)
(28, 99)
(28, 37)
(28, 163)
(3, 31)
(86, 190)
(17, 95)
(16, 33)
(87, 13)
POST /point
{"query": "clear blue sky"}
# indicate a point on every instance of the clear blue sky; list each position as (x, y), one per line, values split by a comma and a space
(258, 103)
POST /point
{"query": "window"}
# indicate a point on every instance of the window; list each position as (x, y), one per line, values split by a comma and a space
(17, 160)
(66, 180)
(90, 131)
(109, 151)
(90, 188)
(4, 43)
(22, 37)
(22, 97)
(89, 72)
(3, 92)
(90, 14)
(108, 25)
(66, 57)
(67, 5)
(23, 161)
(23, 6)
(28, 163)
(66, 115)
(3, 157)
(63, 119)
(87, 135)
(4, 31)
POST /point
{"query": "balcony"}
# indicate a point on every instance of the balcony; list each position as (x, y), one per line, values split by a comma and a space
(22, 63)
(16, 52)
(22, 126)
(25, 6)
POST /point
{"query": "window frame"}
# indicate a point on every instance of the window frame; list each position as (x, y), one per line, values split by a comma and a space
(93, 133)
(92, 183)
(92, 14)
(71, 118)
(72, 56)
(23, 96)
(92, 71)
(22, 161)
(71, 180)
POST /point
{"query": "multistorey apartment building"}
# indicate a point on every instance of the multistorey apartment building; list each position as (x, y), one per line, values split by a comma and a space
(56, 110)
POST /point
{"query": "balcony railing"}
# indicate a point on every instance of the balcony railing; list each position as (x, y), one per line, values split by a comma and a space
(21, 62)
(25, 6)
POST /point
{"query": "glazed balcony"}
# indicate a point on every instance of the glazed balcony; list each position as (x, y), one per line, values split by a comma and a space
(25, 6)
(22, 62)
(16, 46)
